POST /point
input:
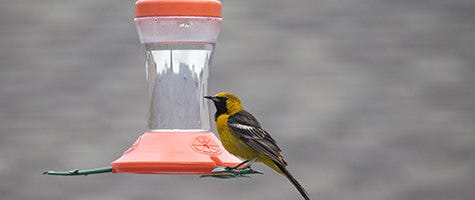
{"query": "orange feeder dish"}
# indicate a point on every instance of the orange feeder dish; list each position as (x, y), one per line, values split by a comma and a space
(174, 153)
(179, 37)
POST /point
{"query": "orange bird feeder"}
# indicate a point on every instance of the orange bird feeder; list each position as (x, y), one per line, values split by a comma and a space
(179, 38)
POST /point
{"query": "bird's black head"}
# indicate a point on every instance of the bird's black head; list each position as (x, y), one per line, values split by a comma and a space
(220, 103)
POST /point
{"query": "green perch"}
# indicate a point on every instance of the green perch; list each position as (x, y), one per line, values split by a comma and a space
(77, 172)
(218, 172)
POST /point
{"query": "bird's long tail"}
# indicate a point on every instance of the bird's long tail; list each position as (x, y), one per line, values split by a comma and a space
(293, 181)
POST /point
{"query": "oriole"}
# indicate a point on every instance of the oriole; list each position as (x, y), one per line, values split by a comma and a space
(243, 136)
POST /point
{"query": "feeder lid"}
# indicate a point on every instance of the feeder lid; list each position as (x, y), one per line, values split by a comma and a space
(202, 8)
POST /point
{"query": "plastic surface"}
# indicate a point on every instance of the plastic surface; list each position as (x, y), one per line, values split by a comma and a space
(146, 8)
(177, 78)
(179, 51)
(79, 172)
(178, 29)
(174, 153)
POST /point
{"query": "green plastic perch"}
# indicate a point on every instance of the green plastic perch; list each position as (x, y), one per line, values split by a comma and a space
(77, 172)
(218, 172)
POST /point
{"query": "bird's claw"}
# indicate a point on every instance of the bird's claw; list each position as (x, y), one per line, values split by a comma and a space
(234, 171)
(231, 172)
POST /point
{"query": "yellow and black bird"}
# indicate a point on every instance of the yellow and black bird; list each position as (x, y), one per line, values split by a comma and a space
(243, 136)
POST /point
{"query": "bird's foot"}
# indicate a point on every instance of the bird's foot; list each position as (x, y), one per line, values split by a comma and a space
(234, 171)
(228, 172)
(247, 162)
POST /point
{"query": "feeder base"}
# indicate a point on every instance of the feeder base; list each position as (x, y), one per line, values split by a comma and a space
(174, 153)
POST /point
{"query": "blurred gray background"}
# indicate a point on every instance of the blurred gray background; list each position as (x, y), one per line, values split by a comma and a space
(370, 99)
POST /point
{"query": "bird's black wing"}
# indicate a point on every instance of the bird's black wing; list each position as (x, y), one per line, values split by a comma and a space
(247, 128)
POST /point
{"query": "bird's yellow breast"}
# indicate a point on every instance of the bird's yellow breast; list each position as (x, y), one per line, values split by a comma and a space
(231, 143)
(237, 147)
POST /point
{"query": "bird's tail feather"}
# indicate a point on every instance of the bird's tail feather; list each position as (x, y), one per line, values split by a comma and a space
(293, 181)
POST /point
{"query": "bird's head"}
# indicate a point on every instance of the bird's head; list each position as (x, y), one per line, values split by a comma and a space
(226, 103)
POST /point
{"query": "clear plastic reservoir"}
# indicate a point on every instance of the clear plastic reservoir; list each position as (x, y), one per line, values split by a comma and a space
(179, 51)
(177, 78)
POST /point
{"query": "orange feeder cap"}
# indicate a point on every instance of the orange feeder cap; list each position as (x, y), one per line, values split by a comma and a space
(203, 8)
(174, 153)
